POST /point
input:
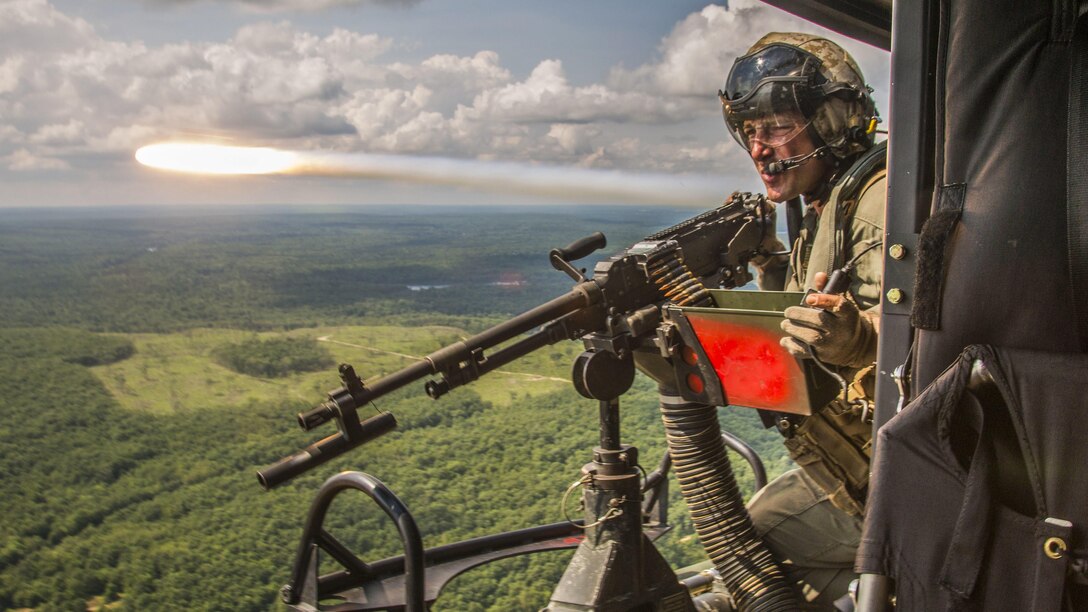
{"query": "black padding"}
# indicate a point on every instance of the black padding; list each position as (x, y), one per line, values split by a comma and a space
(1003, 112)
(1077, 172)
(933, 246)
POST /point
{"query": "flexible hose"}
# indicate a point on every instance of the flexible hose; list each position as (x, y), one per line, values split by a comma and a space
(753, 577)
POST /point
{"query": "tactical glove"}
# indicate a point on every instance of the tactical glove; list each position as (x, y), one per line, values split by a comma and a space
(771, 269)
(840, 335)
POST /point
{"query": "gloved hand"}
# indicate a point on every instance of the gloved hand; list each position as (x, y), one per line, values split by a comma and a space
(771, 269)
(838, 332)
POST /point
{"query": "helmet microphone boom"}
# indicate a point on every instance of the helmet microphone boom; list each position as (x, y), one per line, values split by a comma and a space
(782, 165)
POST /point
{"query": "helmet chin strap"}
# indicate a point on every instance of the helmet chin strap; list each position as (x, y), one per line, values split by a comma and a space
(780, 166)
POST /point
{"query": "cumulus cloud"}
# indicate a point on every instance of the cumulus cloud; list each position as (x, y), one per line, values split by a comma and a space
(696, 56)
(23, 160)
(547, 97)
(574, 138)
(69, 94)
(374, 112)
(271, 6)
(70, 133)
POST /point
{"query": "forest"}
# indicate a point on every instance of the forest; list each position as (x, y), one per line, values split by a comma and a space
(151, 360)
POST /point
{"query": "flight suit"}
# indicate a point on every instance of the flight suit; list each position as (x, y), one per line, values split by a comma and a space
(811, 517)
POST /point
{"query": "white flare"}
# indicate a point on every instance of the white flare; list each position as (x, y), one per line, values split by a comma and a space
(574, 184)
(215, 159)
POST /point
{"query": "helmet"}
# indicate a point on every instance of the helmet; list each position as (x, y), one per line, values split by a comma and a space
(790, 81)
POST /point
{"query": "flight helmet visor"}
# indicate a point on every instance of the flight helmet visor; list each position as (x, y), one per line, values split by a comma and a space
(770, 95)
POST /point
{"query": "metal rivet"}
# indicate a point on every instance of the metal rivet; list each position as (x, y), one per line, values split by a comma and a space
(1054, 547)
(895, 296)
(897, 251)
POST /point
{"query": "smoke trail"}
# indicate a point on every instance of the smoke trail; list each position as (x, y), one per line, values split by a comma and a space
(575, 184)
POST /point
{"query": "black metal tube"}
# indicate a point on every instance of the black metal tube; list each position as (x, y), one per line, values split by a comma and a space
(549, 335)
(654, 487)
(750, 455)
(337, 582)
(318, 416)
(873, 593)
(703, 579)
(324, 450)
(391, 505)
(610, 424)
(585, 294)
(396, 380)
(341, 553)
(736, 444)
(659, 473)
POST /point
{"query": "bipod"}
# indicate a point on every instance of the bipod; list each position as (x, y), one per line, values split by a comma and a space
(616, 567)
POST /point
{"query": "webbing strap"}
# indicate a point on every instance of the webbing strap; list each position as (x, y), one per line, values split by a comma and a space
(1077, 178)
(794, 215)
(934, 244)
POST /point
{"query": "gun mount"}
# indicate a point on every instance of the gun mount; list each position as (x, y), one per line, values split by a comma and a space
(622, 310)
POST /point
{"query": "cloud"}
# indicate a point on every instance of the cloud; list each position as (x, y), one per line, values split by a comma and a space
(374, 112)
(10, 70)
(71, 133)
(318, 5)
(547, 97)
(574, 138)
(70, 95)
(274, 6)
(696, 56)
(35, 28)
(23, 160)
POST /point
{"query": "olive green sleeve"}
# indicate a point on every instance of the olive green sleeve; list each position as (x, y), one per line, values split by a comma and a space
(866, 229)
(833, 247)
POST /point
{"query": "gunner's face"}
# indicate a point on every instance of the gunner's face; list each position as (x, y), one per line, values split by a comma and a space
(780, 137)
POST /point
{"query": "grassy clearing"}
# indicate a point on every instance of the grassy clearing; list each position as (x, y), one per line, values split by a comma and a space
(177, 372)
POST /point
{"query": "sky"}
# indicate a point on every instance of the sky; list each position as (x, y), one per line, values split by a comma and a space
(601, 84)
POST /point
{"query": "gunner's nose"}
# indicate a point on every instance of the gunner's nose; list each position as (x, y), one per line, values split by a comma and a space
(759, 151)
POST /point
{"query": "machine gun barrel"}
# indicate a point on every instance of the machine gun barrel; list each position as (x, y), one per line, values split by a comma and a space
(460, 363)
(583, 295)
(550, 334)
(323, 450)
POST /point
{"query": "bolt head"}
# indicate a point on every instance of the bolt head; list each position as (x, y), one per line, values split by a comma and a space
(895, 295)
(897, 251)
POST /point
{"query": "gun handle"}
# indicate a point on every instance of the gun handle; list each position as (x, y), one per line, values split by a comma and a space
(579, 248)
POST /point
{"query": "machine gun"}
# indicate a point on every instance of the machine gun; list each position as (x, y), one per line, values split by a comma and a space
(614, 312)
(620, 312)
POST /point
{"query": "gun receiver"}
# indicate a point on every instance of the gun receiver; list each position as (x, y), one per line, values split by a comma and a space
(615, 311)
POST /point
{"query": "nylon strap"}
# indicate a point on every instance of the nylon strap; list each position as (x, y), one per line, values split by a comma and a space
(934, 244)
(1077, 178)
(793, 219)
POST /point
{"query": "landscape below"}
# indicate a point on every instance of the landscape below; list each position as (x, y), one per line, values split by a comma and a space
(152, 359)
